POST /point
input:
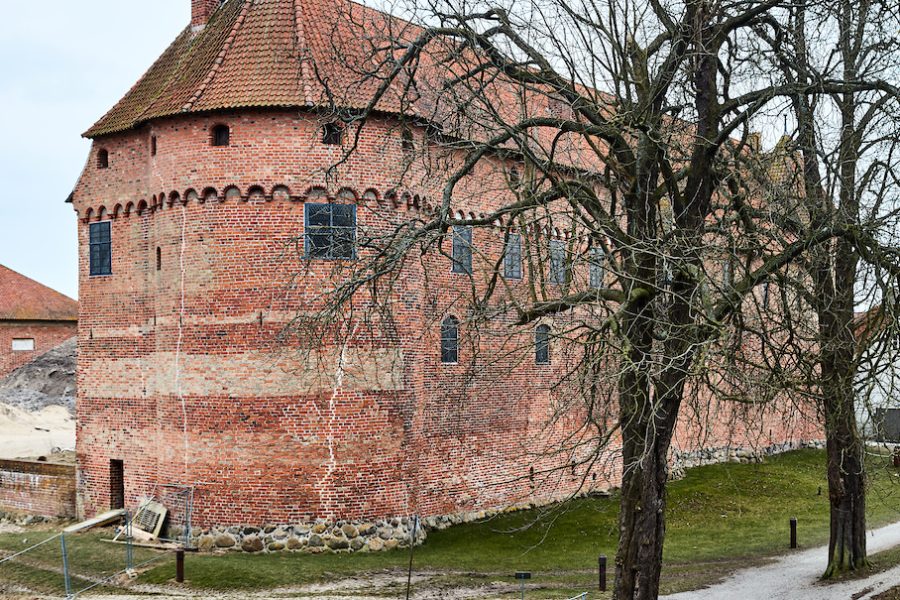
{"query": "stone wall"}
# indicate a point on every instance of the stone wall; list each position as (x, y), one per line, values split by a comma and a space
(37, 488)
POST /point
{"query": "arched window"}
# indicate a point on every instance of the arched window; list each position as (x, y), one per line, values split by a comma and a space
(542, 345)
(332, 133)
(450, 340)
(103, 159)
(221, 135)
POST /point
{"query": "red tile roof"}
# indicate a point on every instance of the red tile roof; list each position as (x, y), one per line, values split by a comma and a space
(24, 299)
(261, 53)
(318, 54)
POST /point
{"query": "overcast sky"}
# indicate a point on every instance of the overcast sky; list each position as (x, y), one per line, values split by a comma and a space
(63, 63)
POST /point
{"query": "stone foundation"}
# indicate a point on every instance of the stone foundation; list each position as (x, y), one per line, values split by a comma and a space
(321, 536)
(679, 461)
(387, 534)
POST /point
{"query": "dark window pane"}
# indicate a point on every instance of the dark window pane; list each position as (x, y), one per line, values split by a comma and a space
(318, 245)
(450, 340)
(344, 215)
(343, 242)
(462, 250)
(542, 345)
(318, 215)
(512, 260)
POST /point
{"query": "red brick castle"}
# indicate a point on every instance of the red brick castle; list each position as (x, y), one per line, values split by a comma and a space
(214, 209)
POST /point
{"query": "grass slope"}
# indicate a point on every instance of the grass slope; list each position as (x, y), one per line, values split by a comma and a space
(721, 517)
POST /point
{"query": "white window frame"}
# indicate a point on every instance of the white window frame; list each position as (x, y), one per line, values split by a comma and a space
(17, 345)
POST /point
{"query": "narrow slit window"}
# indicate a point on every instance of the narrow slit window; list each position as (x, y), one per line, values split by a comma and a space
(542, 345)
(727, 273)
(153, 145)
(333, 133)
(221, 135)
(512, 257)
(330, 231)
(158, 258)
(116, 484)
(103, 159)
(515, 176)
(100, 248)
(407, 142)
(450, 341)
(462, 250)
(597, 267)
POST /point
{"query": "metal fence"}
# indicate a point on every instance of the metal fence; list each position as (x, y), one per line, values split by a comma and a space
(71, 564)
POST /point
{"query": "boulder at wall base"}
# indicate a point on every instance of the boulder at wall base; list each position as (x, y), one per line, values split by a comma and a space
(252, 544)
(206, 543)
(376, 545)
(225, 540)
(315, 541)
(336, 543)
(366, 529)
(295, 543)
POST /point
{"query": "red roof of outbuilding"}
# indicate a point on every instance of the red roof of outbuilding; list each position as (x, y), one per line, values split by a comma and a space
(24, 299)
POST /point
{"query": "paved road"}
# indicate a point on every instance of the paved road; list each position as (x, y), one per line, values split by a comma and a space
(796, 577)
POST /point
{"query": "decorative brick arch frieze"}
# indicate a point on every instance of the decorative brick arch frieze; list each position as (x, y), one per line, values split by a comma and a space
(371, 197)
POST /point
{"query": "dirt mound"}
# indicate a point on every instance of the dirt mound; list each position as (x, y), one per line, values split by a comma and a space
(48, 380)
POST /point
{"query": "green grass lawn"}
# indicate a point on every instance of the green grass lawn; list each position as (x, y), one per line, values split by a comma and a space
(721, 518)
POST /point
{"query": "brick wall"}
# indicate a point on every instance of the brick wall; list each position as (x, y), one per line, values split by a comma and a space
(46, 336)
(37, 488)
(183, 378)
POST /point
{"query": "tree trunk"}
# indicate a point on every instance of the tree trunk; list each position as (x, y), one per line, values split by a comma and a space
(846, 491)
(642, 522)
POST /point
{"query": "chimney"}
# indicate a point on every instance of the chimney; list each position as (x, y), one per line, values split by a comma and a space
(201, 11)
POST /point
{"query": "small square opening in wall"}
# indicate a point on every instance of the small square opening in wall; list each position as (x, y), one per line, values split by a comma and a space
(23, 345)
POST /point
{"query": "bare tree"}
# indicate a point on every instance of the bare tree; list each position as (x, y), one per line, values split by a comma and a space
(625, 125)
(846, 157)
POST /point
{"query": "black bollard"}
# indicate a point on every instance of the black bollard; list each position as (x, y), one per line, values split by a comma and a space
(179, 566)
(602, 572)
(793, 532)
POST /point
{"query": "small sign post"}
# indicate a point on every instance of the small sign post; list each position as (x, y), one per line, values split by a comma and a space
(179, 566)
(793, 532)
(602, 572)
(522, 576)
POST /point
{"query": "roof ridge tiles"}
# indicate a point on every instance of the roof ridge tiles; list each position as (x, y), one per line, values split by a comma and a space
(220, 58)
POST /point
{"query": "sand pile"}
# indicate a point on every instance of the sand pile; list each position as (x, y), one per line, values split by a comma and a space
(37, 405)
(37, 433)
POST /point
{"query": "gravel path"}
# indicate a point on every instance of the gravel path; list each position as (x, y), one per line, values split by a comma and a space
(796, 577)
